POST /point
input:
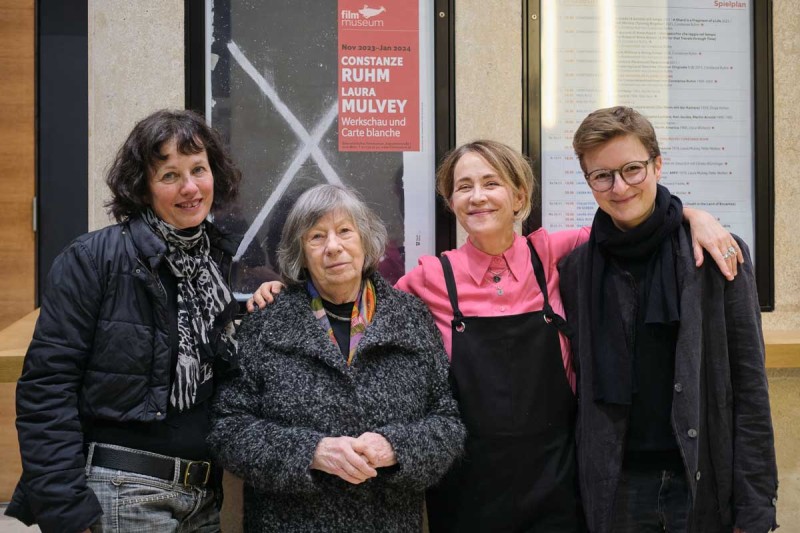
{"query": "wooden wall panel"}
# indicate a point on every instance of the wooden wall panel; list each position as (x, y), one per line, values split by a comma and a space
(17, 152)
(10, 464)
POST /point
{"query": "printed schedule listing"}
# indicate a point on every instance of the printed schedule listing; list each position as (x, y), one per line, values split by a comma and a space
(686, 65)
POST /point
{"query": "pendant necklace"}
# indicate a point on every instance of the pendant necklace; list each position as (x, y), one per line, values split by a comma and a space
(336, 317)
(497, 277)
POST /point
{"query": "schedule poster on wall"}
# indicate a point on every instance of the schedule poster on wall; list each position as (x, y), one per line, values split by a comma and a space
(309, 92)
(686, 65)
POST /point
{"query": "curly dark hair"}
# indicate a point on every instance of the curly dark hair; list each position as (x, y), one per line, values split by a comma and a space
(128, 177)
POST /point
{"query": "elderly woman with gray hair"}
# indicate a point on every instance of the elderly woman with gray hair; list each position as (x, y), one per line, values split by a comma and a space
(342, 414)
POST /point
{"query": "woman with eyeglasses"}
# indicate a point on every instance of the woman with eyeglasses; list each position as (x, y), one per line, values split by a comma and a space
(496, 303)
(673, 429)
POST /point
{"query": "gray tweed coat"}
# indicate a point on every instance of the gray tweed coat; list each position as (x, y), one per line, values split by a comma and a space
(295, 388)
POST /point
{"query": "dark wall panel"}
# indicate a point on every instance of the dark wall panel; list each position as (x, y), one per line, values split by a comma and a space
(62, 122)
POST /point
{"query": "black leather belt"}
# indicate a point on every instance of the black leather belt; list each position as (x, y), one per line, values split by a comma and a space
(191, 473)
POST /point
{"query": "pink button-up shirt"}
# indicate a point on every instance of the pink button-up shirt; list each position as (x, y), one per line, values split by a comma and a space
(477, 292)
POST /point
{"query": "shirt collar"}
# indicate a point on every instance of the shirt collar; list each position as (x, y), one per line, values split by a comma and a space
(478, 262)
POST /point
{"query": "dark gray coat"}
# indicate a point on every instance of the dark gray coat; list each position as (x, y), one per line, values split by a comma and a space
(720, 406)
(295, 388)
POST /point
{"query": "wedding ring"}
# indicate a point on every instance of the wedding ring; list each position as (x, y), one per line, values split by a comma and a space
(731, 250)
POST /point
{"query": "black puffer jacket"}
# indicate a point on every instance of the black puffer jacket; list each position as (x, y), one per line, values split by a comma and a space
(101, 350)
(295, 388)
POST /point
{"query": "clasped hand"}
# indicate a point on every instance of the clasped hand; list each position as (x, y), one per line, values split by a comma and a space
(353, 460)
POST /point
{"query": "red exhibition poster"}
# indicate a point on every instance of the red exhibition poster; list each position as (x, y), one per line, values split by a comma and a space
(379, 76)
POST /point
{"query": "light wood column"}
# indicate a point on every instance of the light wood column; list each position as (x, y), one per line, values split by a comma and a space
(17, 251)
(14, 341)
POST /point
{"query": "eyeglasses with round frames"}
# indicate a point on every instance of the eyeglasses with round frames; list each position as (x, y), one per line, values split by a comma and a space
(632, 173)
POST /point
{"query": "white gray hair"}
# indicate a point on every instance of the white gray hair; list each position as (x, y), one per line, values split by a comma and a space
(314, 204)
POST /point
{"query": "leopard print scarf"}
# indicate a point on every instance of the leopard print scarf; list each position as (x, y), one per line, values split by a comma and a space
(202, 295)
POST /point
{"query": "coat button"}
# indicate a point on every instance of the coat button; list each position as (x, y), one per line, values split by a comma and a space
(692, 433)
(697, 476)
(774, 502)
(158, 414)
(678, 387)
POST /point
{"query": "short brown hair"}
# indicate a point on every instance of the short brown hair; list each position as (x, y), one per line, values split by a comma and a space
(602, 125)
(510, 165)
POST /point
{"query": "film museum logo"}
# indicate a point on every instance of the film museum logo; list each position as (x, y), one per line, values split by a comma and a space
(364, 17)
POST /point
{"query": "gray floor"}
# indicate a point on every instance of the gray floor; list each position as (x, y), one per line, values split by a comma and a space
(12, 525)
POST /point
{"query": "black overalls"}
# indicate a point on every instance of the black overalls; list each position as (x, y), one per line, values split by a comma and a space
(518, 473)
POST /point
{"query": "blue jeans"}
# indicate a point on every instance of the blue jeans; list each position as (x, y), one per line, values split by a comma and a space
(651, 500)
(135, 503)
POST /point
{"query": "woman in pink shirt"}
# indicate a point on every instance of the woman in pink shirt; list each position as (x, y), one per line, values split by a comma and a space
(496, 302)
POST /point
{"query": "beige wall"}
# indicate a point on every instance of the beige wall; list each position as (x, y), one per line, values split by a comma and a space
(784, 391)
(786, 47)
(136, 66)
(785, 384)
(488, 74)
(489, 71)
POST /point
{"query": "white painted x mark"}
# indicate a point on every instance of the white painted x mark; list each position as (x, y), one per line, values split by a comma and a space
(309, 148)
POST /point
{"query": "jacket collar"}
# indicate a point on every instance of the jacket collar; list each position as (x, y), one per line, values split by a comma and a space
(685, 269)
(228, 243)
(392, 324)
(689, 344)
(516, 256)
(153, 248)
(289, 324)
(149, 245)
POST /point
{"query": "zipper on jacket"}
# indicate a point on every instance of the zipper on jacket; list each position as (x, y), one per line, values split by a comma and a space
(127, 232)
(153, 275)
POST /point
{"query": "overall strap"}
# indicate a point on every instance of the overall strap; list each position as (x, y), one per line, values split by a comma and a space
(452, 293)
(550, 316)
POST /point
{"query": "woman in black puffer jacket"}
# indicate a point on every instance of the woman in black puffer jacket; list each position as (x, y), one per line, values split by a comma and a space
(134, 331)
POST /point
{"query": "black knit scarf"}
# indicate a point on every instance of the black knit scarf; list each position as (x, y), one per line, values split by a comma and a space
(202, 295)
(613, 379)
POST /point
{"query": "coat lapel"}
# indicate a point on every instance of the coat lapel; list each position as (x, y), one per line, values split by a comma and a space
(392, 325)
(689, 342)
(292, 327)
(689, 349)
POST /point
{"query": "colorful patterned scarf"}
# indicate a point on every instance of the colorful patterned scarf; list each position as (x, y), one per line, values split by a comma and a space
(360, 318)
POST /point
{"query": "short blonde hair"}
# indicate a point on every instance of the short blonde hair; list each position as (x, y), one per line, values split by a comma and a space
(511, 166)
